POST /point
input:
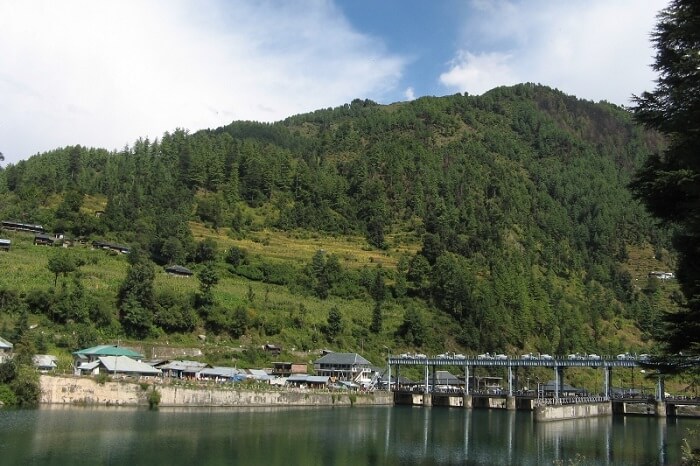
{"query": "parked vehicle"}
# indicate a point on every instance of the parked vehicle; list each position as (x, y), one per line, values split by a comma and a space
(500, 356)
(593, 356)
(546, 356)
(484, 356)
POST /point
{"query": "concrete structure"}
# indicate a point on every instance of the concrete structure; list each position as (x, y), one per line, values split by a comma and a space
(5, 244)
(86, 391)
(559, 412)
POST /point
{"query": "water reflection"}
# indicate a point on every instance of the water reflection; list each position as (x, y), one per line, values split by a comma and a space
(329, 436)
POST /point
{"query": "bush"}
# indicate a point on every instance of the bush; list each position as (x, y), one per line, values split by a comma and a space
(154, 399)
(26, 388)
(7, 396)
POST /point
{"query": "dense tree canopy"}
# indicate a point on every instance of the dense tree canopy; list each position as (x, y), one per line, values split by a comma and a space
(509, 210)
(669, 182)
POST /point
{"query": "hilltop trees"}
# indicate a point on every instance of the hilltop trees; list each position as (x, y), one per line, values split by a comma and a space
(669, 181)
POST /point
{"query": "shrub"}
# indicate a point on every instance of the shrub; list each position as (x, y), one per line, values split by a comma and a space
(7, 396)
(154, 399)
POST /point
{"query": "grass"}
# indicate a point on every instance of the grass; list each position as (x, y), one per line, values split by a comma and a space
(25, 267)
(298, 247)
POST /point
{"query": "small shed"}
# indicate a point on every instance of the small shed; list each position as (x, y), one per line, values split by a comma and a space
(182, 369)
(178, 271)
(260, 375)
(45, 362)
(87, 368)
(272, 349)
(43, 240)
(111, 246)
(285, 369)
(445, 379)
(222, 374)
(308, 381)
(5, 244)
(565, 389)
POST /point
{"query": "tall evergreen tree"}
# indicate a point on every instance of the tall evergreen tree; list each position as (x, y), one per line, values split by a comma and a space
(136, 299)
(669, 182)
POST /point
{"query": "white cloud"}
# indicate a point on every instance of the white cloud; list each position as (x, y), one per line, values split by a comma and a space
(477, 74)
(106, 73)
(597, 49)
(409, 93)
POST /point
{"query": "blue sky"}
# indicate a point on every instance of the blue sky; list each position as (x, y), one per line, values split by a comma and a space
(106, 73)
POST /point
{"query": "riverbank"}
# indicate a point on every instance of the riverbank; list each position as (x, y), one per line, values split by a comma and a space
(88, 391)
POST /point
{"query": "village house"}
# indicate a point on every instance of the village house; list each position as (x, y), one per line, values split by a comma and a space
(111, 247)
(178, 271)
(308, 381)
(45, 362)
(82, 359)
(118, 366)
(285, 369)
(18, 226)
(662, 275)
(345, 366)
(182, 369)
(221, 374)
(274, 350)
(43, 240)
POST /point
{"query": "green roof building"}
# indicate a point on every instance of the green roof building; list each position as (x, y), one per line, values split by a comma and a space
(92, 354)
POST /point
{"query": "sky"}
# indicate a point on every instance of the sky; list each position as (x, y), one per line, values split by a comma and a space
(106, 73)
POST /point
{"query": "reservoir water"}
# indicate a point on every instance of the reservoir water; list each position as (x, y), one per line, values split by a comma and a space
(402, 436)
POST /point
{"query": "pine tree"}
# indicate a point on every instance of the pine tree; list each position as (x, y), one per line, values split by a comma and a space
(669, 182)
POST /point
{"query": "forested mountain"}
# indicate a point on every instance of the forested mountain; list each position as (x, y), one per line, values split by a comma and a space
(505, 218)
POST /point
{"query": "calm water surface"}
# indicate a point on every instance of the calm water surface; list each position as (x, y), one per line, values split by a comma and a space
(330, 436)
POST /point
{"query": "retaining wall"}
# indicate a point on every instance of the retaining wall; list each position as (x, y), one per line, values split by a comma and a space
(85, 390)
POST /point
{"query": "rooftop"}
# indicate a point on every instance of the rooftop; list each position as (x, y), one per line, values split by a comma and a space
(108, 350)
(4, 344)
(343, 359)
(125, 364)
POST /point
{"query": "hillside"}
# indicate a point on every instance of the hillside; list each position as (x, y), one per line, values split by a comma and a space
(492, 223)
